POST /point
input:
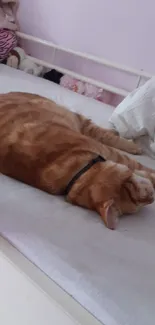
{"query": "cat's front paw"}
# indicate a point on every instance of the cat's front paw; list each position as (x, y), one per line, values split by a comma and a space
(144, 193)
(150, 176)
(134, 148)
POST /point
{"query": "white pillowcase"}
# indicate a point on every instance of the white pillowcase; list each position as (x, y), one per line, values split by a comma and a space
(135, 116)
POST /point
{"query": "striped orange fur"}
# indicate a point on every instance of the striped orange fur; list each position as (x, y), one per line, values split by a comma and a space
(45, 145)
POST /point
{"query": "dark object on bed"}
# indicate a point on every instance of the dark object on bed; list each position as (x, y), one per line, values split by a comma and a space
(4, 61)
(53, 75)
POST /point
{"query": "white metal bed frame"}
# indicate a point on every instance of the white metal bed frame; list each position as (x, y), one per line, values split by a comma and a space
(63, 309)
(140, 74)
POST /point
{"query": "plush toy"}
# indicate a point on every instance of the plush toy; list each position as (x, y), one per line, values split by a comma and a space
(8, 14)
(72, 84)
(91, 91)
(8, 26)
(19, 60)
(8, 41)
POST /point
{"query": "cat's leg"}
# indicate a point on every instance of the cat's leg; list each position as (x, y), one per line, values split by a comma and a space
(115, 155)
(135, 166)
(107, 137)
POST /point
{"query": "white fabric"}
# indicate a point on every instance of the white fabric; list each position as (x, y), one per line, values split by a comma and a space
(135, 116)
(109, 273)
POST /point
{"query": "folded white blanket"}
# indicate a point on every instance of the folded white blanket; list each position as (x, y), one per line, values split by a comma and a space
(135, 116)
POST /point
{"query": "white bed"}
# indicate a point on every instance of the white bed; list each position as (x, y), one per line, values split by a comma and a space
(111, 274)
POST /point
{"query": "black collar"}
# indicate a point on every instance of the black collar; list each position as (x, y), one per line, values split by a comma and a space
(82, 171)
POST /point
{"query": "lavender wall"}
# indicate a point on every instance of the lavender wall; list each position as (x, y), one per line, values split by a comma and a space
(119, 30)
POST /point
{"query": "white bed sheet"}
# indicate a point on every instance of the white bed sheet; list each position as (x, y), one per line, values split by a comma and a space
(109, 273)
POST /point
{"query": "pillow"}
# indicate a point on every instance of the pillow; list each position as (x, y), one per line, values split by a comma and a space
(135, 115)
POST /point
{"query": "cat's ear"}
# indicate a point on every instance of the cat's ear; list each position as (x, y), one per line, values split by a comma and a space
(109, 214)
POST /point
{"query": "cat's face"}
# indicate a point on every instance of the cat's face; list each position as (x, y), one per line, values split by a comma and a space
(126, 193)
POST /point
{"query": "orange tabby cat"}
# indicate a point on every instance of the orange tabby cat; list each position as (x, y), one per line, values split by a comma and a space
(46, 146)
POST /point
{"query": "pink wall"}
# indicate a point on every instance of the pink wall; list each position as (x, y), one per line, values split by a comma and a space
(119, 30)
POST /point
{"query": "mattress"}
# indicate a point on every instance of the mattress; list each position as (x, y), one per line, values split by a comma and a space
(110, 273)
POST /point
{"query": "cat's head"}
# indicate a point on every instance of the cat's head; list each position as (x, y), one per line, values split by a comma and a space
(120, 192)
